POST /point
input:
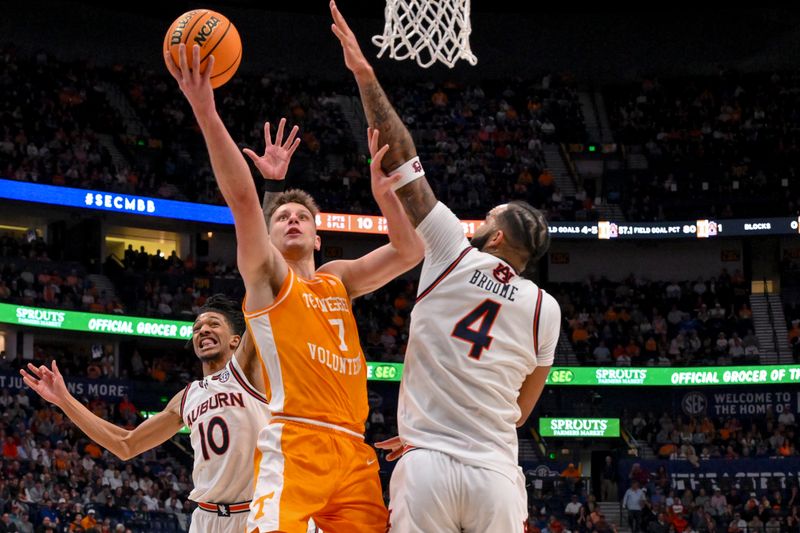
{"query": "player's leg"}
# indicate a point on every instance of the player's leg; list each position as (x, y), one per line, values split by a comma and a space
(356, 505)
(424, 491)
(493, 502)
(292, 480)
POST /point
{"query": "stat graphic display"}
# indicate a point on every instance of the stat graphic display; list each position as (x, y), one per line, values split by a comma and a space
(369, 224)
(579, 427)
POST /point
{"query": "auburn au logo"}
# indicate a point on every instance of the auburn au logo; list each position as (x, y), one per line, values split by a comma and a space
(502, 273)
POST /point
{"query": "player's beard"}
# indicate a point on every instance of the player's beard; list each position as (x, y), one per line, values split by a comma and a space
(479, 241)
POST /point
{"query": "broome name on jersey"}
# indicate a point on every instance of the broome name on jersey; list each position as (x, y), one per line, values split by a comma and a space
(504, 290)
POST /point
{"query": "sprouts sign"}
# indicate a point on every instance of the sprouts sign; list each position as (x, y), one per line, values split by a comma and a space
(95, 323)
(131, 325)
(579, 427)
(693, 377)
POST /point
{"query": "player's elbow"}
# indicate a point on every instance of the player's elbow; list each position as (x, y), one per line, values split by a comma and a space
(413, 259)
(525, 413)
(124, 449)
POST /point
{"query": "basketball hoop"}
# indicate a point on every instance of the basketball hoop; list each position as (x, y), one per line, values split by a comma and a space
(427, 31)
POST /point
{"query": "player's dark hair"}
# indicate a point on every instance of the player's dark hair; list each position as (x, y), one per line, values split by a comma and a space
(296, 196)
(228, 308)
(527, 231)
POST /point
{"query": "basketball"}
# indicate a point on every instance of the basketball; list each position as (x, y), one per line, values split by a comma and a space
(215, 34)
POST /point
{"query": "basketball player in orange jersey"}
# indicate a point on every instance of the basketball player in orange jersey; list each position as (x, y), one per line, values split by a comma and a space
(314, 462)
(481, 343)
(223, 411)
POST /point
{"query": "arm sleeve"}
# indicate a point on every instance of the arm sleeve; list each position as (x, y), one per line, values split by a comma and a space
(443, 236)
(549, 330)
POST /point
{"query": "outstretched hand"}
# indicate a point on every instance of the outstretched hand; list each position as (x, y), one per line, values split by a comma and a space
(275, 161)
(195, 86)
(381, 183)
(48, 383)
(353, 56)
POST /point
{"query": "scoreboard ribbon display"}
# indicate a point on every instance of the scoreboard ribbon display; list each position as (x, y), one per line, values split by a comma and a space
(370, 224)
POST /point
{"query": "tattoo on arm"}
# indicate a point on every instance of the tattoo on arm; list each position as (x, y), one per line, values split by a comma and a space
(418, 200)
(381, 115)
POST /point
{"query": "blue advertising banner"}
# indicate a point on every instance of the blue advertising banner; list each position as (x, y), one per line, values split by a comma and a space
(118, 203)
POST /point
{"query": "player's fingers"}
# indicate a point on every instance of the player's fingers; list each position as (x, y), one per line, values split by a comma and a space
(395, 455)
(56, 371)
(209, 68)
(184, 63)
(267, 134)
(33, 370)
(337, 16)
(196, 63)
(171, 66)
(292, 134)
(30, 382)
(378, 157)
(389, 444)
(251, 154)
(295, 144)
(279, 133)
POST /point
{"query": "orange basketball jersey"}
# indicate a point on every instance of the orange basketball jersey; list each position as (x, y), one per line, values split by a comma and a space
(309, 344)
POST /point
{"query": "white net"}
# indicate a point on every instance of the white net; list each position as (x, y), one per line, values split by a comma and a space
(427, 31)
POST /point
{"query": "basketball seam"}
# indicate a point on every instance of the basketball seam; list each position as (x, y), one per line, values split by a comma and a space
(217, 43)
(189, 31)
(235, 61)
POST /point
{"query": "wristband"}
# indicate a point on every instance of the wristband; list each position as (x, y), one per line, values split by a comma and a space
(410, 171)
(274, 185)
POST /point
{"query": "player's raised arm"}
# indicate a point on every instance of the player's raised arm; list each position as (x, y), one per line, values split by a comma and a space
(405, 249)
(274, 162)
(262, 267)
(413, 189)
(125, 444)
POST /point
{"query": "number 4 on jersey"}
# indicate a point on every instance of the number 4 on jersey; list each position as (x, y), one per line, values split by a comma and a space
(479, 338)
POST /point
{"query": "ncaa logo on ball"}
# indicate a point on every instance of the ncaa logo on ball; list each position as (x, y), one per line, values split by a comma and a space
(694, 403)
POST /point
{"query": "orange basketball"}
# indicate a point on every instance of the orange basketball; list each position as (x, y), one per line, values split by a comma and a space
(215, 34)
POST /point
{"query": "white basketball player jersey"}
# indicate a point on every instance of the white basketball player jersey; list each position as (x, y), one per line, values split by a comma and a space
(224, 413)
(478, 330)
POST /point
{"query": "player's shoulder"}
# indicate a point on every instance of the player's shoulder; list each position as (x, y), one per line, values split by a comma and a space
(549, 304)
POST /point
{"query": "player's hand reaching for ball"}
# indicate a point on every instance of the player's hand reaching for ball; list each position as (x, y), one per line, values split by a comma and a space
(196, 86)
(353, 56)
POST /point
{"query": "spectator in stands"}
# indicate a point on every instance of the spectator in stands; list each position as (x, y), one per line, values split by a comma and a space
(608, 486)
(633, 501)
(572, 510)
(571, 473)
(787, 417)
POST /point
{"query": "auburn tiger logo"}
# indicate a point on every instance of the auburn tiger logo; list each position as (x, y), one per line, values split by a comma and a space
(502, 273)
